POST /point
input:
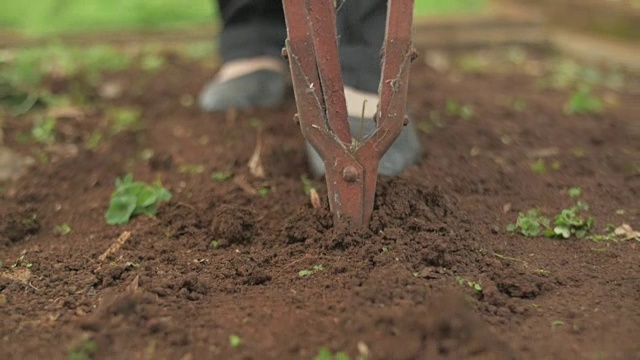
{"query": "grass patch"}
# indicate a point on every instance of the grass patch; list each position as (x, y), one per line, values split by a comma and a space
(48, 17)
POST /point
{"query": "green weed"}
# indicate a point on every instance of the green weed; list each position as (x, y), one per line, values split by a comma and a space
(191, 169)
(125, 119)
(435, 120)
(94, 140)
(473, 285)
(221, 176)
(584, 102)
(235, 341)
(557, 323)
(307, 184)
(326, 354)
(83, 351)
(44, 130)
(461, 110)
(569, 222)
(574, 192)
(63, 229)
(539, 167)
(134, 198)
(309, 272)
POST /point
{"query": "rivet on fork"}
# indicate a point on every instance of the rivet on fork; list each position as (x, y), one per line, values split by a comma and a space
(350, 174)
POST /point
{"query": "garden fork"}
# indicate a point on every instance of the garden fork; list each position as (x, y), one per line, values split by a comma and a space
(351, 166)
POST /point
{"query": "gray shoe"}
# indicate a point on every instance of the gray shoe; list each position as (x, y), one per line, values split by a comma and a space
(404, 152)
(262, 88)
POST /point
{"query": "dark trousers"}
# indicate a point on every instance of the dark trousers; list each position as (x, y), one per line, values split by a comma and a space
(257, 28)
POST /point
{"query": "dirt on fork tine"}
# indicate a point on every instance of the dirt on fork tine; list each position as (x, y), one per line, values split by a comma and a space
(435, 276)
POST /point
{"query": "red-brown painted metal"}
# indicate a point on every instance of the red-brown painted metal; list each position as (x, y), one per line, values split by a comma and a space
(312, 49)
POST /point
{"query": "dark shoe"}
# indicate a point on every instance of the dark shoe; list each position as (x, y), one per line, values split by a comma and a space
(404, 152)
(262, 88)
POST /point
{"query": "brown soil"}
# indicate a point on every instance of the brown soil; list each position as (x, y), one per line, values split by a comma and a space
(390, 291)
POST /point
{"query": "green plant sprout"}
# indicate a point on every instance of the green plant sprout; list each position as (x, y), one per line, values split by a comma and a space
(574, 192)
(538, 167)
(63, 229)
(191, 169)
(221, 176)
(235, 341)
(566, 224)
(307, 184)
(462, 110)
(44, 130)
(326, 354)
(583, 102)
(133, 198)
(473, 285)
(557, 323)
(83, 351)
(263, 191)
(309, 272)
(125, 119)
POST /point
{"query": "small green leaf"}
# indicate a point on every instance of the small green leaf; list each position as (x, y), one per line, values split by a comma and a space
(309, 272)
(324, 354)
(557, 323)
(234, 340)
(584, 102)
(120, 209)
(214, 244)
(539, 167)
(575, 192)
(306, 272)
(263, 192)
(562, 231)
(63, 229)
(307, 185)
(134, 198)
(221, 176)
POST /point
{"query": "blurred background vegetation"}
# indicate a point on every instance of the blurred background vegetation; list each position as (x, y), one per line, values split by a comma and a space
(46, 17)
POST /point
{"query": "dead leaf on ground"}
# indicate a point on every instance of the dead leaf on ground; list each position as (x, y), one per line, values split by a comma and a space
(135, 284)
(64, 151)
(111, 90)
(315, 198)
(255, 163)
(244, 185)
(66, 112)
(21, 275)
(13, 165)
(627, 232)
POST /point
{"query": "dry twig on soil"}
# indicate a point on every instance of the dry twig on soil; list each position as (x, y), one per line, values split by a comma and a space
(255, 163)
(315, 199)
(116, 245)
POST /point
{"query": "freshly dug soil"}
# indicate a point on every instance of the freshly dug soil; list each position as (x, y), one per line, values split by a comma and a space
(223, 258)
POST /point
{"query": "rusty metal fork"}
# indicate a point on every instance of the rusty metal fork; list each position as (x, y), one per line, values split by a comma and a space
(312, 50)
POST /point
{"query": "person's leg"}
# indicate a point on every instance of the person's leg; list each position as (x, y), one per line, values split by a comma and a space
(252, 74)
(361, 27)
